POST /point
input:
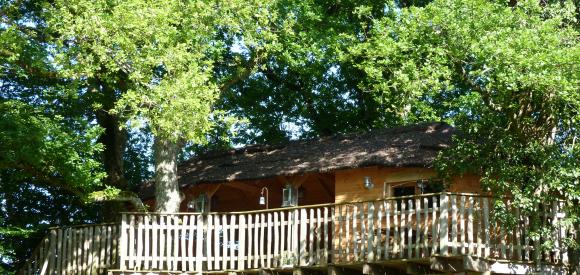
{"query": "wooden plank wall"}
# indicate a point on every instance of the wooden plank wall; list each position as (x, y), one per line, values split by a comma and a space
(86, 249)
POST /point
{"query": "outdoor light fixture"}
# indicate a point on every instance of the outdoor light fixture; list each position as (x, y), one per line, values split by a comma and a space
(421, 185)
(264, 199)
(191, 204)
(289, 196)
(368, 183)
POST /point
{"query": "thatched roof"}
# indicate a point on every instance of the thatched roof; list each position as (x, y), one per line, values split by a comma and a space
(408, 146)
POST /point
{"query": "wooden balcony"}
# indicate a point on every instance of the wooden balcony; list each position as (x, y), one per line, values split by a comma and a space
(445, 232)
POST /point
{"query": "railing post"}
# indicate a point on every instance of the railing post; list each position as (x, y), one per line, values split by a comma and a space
(199, 243)
(303, 223)
(486, 227)
(123, 245)
(443, 220)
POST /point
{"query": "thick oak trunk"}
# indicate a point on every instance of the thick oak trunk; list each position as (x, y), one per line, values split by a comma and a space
(167, 196)
(114, 138)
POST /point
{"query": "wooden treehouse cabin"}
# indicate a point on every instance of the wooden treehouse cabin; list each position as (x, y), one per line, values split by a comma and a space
(354, 204)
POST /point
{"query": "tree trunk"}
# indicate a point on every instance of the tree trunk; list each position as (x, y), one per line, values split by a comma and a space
(167, 196)
(114, 138)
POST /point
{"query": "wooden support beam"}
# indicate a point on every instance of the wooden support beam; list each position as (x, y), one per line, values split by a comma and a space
(447, 264)
(339, 270)
(324, 182)
(266, 272)
(460, 264)
(416, 268)
(377, 269)
(306, 271)
(372, 269)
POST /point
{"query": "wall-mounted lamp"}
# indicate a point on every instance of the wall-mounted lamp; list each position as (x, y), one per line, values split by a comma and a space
(264, 199)
(191, 204)
(368, 183)
(421, 185)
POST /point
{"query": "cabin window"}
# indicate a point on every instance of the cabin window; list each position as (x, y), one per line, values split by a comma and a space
(199, 204)
(404, 191)
(289, 196)
(401, 191)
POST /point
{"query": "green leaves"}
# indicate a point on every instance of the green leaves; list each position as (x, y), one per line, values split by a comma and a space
(45, 151)
(507, 77)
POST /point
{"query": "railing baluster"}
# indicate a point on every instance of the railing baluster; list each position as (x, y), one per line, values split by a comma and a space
(396, 215)
(176, 238)
(418, 227)
(348, 235)
(410, 230)
(276, 253)
(232, 241)
(370, 251)
(454, 245)
(311, 233)
(487, 229)
(563, 251)
(169, 243)
(208, 242)
(326, 237)
(139, 254)
(318, 235)
(403, 227)
(242, 242)
(190, 242)
(425, 250)
(225, 242)
(443, 221)
(462, 227)
(479, 211)
(283, 249)
(303, 237)
(216, 242)
(199, 224)
(470, 242)
(269, 242)
(387, 207)
(250, 243)
(262, 243)
(356, 233)
(182, 237)
(256, 241)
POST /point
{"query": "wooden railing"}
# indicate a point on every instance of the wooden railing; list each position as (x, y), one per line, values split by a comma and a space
(226, 241)
(86, 249)
(446, 224)
(414, 227)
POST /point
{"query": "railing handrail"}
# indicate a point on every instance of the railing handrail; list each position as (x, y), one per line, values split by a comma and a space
(82, 225)
(311, 205)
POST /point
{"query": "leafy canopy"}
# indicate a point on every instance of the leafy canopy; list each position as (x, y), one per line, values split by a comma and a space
(42, 148)
(166, 49)
(506, 77)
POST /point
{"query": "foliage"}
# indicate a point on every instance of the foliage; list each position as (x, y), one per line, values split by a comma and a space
(302, 88)
(216, 74)
(506, 77)
(166, 49)
(43, 148)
